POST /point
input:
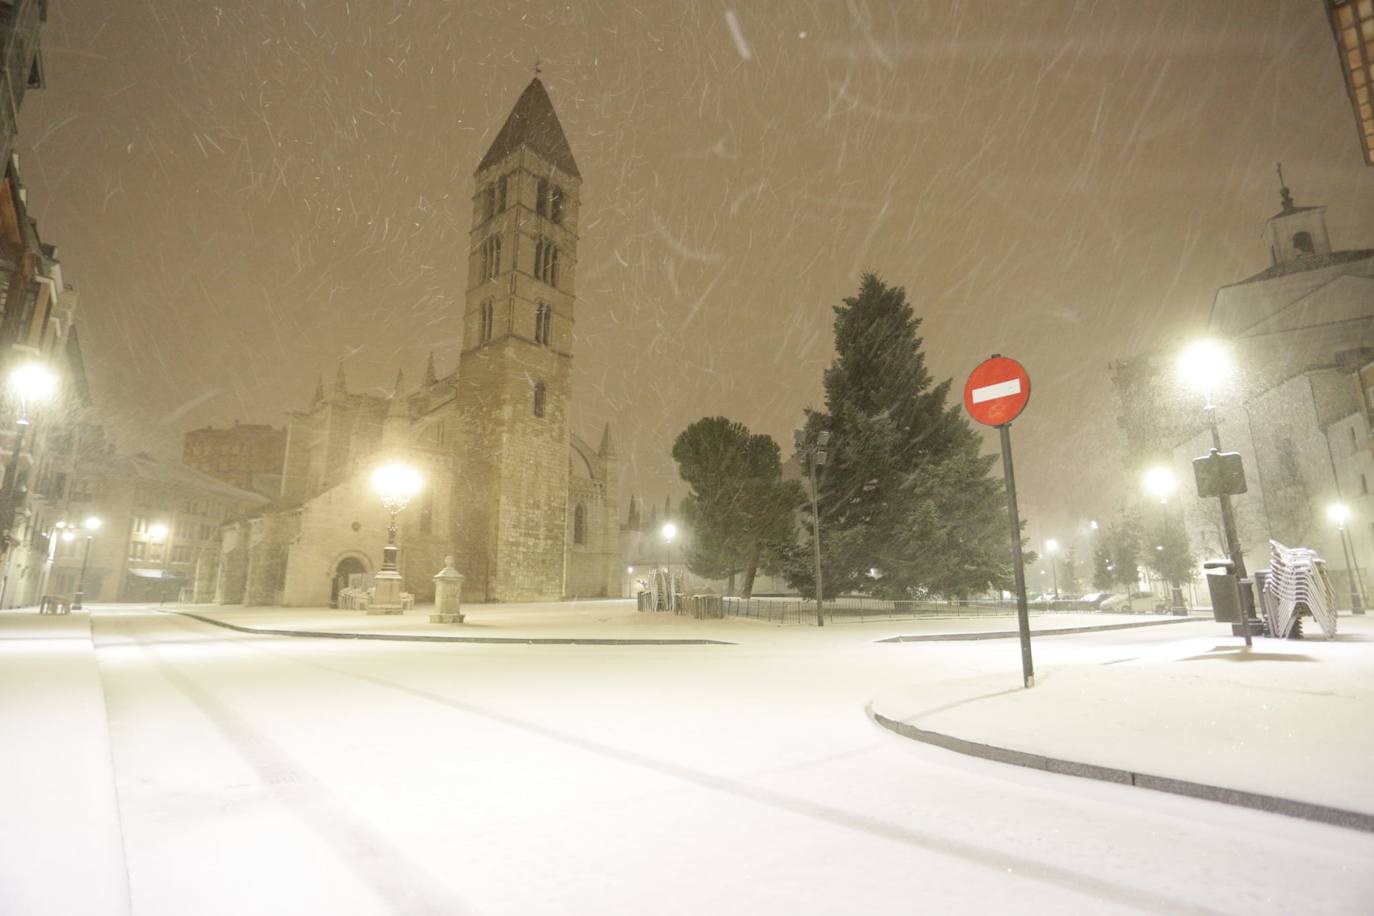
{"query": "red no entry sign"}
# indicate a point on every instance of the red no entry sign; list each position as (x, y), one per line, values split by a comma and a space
(997, 391)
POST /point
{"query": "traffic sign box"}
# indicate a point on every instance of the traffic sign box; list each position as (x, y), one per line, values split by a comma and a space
(1219, 474)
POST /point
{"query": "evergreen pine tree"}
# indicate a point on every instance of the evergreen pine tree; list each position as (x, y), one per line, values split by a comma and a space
(906, 491)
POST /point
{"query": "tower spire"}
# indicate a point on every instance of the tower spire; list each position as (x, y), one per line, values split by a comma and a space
(340, 383)
(430, 376)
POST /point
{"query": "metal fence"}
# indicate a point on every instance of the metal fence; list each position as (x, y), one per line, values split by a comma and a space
(857, 609)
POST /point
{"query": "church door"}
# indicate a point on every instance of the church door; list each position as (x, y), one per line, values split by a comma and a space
(347, 566)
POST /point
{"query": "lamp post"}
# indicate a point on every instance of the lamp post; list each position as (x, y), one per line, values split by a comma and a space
(30, 383)
(1160, 483)
(396, 483)
(813, 452)
(669, 534)
(1052, 548)
(1339, 514)
(91, 526)
(158, 533)
(1204, 366)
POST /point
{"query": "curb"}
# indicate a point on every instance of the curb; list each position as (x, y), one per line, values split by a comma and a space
(1339, 817)
(502, 640)
(1058, 631)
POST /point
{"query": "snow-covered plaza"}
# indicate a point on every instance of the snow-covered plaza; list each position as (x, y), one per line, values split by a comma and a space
(159, 764)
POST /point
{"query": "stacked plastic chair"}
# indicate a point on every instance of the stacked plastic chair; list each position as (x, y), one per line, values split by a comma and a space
(1298, 582)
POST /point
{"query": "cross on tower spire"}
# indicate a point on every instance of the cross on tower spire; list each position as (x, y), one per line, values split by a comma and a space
(537, 69)
(1285, 195)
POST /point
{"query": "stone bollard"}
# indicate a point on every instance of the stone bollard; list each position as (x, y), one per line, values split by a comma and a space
(448, 594)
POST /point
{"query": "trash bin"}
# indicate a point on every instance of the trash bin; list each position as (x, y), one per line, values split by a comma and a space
(1225, 591)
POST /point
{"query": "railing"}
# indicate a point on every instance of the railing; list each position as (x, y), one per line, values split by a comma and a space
(859, 608)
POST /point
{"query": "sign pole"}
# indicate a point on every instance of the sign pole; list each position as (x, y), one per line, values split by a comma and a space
(1018, 564)
(996, 392)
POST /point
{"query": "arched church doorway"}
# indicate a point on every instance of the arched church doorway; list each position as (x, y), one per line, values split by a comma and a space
(346, 567)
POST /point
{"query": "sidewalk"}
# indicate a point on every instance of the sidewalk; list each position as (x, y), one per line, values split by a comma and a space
(618, 621)
(1290, 719)
(60, 849)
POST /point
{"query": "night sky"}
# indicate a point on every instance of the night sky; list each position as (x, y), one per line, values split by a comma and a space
(249, 192)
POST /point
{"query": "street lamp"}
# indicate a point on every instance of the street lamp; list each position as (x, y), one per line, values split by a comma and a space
(1161, 483)
(30, 383)
(1052, 548)
(396, 484)
(1339, 514)
(1204, 366)
(813, 452)
(669, 534)
(158, 532)
(91, 525)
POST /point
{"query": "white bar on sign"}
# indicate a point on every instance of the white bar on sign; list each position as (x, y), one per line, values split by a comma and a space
(1000, 390)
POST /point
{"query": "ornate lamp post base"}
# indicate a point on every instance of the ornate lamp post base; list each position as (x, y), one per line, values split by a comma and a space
(386, 593)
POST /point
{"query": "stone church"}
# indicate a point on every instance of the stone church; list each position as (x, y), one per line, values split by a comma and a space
(528, 508)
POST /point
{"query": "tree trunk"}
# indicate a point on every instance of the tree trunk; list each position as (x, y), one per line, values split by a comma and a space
(750, 569)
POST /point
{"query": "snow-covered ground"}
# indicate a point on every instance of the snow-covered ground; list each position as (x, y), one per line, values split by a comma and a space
(282, 775)
(60, 849)
(1286, 718)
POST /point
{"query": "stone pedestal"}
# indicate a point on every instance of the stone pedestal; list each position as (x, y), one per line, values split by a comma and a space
(448, 593)
(386, 593)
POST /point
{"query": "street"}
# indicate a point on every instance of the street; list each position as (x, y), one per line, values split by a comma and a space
(289, 775)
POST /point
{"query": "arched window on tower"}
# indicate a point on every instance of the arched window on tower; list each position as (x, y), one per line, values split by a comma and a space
(541, 197)
(579, 525)
(488, 320)
(491, 257)
(541, 394)
(1302, 243)
(546, 262)
(556, 204)
(542, 314)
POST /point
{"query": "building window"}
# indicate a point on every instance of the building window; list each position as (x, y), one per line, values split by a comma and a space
(543, 320)
(1302, 242)
(579, 525)
(427, 512)
(137, 550)
(1354, 440)
(541, 394)
(181, 554)
(548, 200)
(488, 320)
(491, 257)
(556, 204)
(501, 194)
(546, 261)
(155, 551)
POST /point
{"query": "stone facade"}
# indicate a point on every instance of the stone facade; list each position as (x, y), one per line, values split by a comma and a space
(527, 509)
(247, 456)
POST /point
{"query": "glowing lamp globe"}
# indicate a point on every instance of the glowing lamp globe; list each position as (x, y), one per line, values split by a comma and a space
(33, 382)
(1204, 366)
(396, 484)
(1160, 482)
(92, 523)
(1338, 514)
(669, 531)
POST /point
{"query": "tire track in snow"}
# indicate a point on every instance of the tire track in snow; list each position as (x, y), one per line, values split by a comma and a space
(375, 861)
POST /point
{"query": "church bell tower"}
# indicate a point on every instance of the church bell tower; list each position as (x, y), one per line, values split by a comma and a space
(514, 377)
